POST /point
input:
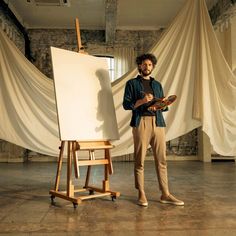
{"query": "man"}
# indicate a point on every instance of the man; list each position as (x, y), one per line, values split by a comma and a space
(148, 127)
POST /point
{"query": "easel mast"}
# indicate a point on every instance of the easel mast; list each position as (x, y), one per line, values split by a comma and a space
(73, 148)
(79, 43)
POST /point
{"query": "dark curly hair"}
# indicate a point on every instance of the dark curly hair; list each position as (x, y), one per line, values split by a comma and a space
(147, 56)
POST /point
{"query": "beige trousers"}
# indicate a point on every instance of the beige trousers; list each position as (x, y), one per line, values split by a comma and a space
(147, 133)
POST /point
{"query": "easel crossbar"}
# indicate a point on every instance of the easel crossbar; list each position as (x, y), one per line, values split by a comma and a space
(93, 145)
(93, 162)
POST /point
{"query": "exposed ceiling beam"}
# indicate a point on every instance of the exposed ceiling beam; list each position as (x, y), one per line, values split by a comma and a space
(111, 14)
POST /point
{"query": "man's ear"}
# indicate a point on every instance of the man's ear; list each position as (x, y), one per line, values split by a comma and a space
(139, 68)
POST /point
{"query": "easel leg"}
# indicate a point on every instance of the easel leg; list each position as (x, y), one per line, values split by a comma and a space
(87, 177)
(75, 158)
(106, 186)
(108, 157)
(91, 157)
(59, 165)
(107, 169)
(70, 186)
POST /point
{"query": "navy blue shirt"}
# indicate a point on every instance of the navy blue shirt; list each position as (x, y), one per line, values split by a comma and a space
(133, 92)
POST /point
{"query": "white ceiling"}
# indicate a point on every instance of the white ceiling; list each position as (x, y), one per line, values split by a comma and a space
(131, 14)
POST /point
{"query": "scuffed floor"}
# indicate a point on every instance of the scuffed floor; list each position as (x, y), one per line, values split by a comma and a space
(209, 192)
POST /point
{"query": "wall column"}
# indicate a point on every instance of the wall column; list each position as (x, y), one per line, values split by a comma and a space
(204, 146)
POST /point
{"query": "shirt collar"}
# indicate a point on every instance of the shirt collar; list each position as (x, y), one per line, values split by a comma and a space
(139, 77)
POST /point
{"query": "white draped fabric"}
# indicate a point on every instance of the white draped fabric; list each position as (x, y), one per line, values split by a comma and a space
(124, 60)
(190, 65)
(27, 102)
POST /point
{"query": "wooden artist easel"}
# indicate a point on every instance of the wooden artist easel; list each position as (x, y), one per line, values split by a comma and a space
(73, 149)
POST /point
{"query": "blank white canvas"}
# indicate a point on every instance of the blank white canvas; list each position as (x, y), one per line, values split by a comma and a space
(84, 98)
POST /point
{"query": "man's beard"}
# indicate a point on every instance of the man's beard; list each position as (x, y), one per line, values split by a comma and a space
(146, 72)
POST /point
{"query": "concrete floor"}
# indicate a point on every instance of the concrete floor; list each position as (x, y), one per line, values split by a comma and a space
(209, 192)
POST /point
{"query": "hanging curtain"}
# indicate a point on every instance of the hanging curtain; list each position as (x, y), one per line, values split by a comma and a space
(190, 65)
(124, 60)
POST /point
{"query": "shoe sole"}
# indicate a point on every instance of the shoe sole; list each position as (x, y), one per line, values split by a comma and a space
(144, 204)
(173, 203)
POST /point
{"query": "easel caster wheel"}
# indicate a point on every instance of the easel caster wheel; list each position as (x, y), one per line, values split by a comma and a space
(52, 200)
(113, 198)
(75, 205)
(91, 192)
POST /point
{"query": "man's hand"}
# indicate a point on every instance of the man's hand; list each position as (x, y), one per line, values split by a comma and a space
(160, 105)
(147, 98)
(152, 108)
(165, 101)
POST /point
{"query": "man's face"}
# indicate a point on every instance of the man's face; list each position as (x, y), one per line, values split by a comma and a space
(146, 67)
